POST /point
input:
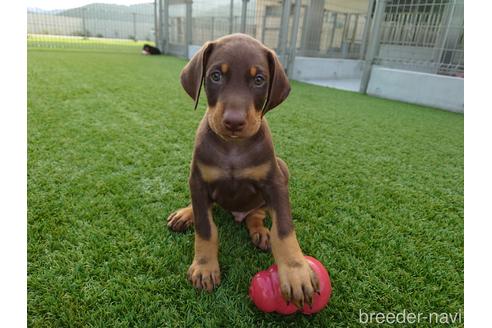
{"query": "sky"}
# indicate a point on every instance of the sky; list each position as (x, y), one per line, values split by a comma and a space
(64, 4)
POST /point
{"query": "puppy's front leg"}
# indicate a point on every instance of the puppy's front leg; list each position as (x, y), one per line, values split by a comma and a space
(297, 280)
(204, 272)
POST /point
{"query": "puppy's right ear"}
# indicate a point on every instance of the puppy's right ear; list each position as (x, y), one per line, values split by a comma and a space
(193, 73)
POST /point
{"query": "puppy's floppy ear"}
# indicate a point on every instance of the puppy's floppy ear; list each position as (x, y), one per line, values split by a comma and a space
(278, 87)
(193, 73)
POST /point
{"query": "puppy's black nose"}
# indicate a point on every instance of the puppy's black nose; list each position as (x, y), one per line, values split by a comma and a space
(234, 122)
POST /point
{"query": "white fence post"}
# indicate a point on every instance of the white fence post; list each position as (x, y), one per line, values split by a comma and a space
(283, 33)
(189, 26)
(367, 29)
(373, 47)
(231, 17)
(156, 26)
(243, 16)
(293, 38)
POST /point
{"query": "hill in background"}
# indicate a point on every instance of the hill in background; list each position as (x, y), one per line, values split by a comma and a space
(111, 11)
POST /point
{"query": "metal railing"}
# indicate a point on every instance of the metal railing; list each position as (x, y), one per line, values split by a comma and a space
(423, 35)
(419, 35)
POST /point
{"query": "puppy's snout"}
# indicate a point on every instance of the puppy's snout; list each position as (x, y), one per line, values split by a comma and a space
(234, 121)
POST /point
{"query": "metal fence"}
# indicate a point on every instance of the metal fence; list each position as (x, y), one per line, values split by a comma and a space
(315, 28)
(92, 26)
(180, 23)
(426, 36)
(419, 35)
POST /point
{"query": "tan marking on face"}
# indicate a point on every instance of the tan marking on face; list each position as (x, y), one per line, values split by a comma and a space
(210, 173)
(214, 118)
(224, 68)
(252, 71)
(257, 173)
(253, 121)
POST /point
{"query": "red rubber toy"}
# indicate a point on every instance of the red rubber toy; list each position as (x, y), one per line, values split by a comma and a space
(264, 290)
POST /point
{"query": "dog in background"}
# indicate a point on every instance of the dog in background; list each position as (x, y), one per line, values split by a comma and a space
(150, 50)
(234, 163)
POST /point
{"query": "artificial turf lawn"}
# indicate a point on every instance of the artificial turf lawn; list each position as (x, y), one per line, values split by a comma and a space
(376, 190)
(89, 43)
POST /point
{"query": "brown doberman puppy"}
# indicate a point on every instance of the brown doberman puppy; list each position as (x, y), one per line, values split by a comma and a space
(234, 163)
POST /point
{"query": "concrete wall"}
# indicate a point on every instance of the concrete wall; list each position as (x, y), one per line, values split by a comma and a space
(419, 88)
(418, 58)
(310, 68)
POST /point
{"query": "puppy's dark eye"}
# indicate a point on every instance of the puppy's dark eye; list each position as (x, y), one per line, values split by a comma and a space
(216, 76)
(259, 80)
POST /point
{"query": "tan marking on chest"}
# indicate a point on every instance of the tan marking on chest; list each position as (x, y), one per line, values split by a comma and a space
(213, 173)
(210, 173)
(258, 172)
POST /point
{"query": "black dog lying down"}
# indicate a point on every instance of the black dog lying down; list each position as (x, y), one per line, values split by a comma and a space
(149, 50)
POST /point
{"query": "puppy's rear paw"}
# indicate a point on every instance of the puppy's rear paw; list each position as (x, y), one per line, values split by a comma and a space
(260, 236)
(180, 220)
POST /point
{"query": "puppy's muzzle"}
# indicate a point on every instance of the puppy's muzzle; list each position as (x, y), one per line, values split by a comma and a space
(234, 121)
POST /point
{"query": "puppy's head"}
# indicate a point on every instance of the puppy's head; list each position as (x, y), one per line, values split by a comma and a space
(243, 80)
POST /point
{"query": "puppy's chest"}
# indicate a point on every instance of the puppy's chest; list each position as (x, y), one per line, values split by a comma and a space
(234, 178)
(235, 188)
(233, 173)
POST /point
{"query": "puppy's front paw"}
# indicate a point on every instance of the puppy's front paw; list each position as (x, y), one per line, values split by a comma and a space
(298, 282)
(204, 274)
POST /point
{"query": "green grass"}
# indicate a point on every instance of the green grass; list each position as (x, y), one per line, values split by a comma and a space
(376, 190)
(90, 43)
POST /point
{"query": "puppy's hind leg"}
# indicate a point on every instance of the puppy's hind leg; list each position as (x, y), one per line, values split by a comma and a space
(260, 235)
(283, 168)
(181, 219)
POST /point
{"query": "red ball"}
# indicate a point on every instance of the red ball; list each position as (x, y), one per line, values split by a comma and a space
(265, 290)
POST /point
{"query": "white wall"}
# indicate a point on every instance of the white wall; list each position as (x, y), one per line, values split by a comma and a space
(310, 68)
(408, 57)
(433, 90)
